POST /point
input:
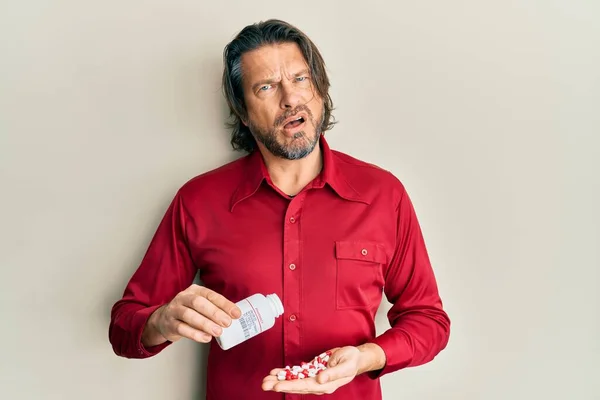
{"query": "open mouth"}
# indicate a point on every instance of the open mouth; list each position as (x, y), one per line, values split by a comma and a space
(294, 123)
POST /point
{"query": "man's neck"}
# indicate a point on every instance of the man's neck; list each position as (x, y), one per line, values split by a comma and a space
(291, 176)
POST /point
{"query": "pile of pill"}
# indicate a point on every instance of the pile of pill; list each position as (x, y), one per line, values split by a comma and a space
(305, 369)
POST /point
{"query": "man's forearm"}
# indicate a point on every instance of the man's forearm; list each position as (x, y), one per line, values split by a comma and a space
(373, 358)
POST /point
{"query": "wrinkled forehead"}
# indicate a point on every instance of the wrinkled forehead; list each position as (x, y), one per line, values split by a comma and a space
(272, 61)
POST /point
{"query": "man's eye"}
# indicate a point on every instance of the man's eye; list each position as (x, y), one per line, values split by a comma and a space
(265, 87)
(300, 78)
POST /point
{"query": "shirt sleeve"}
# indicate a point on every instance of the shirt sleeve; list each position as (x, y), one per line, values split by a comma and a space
(165, 270)
(420, 328)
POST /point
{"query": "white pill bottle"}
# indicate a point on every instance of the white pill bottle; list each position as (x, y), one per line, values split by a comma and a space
(258, 314)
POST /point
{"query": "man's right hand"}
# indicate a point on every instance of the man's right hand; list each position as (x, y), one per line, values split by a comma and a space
(197, 313)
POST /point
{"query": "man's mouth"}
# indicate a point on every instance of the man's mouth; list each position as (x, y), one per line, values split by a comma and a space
(294, 123)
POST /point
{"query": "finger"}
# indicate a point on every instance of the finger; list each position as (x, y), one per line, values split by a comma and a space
(332, 373)
(275, 371)
(269, 382)
(198, 321)
(208, 310)
(184, 330)
(221, 302)
(341, 370)
(335, 357)
(334, 350)
(333, 361)
(304, 386)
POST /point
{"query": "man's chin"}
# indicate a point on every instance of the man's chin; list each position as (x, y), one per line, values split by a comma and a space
(294, 154)
(290, 148)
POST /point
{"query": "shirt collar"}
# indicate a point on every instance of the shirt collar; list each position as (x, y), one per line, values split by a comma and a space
(334, 174)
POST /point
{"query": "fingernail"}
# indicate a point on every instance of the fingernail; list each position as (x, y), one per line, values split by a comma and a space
(206, 338)
(236, 313)
(225, 322)
(216, 330)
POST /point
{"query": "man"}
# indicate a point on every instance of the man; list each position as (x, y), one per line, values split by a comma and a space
(326, 232)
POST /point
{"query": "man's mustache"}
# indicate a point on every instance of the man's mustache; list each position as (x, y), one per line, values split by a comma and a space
(287, 114)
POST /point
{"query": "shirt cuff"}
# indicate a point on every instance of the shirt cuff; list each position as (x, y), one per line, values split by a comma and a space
(140, 318)
(398, 352)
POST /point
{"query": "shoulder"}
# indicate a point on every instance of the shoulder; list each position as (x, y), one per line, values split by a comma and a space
(368, 178)
(222, 180)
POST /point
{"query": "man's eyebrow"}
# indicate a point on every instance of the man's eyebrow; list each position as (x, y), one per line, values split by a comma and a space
(264, 82)
(303, 72)
(273, 80)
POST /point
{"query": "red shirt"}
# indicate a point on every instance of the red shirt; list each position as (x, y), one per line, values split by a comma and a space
(329, 253)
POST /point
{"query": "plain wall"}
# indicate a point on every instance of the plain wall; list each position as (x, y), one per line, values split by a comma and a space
(488, 111)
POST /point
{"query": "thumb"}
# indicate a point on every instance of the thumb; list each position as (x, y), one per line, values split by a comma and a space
(337, 356)
(331, 373)
(333, 361)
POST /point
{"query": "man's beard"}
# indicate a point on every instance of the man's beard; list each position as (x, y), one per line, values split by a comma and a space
(301, 145)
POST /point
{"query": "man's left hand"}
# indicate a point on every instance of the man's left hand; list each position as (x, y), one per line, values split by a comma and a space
(343, 365)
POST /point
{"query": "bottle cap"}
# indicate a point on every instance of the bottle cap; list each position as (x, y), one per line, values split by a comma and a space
(276, 302)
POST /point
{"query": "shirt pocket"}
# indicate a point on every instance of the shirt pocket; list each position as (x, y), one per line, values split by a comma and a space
(359, 281)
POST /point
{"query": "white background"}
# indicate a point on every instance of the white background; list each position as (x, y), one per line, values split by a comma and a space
(488, 111)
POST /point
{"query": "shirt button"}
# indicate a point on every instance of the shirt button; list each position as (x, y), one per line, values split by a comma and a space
(292, 220)
(292, 317)
(364, 252)
(292, 266)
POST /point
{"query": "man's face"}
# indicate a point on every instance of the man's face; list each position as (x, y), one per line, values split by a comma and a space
(285, 112)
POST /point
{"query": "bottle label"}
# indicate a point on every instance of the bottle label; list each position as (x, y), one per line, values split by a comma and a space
(249, 324)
